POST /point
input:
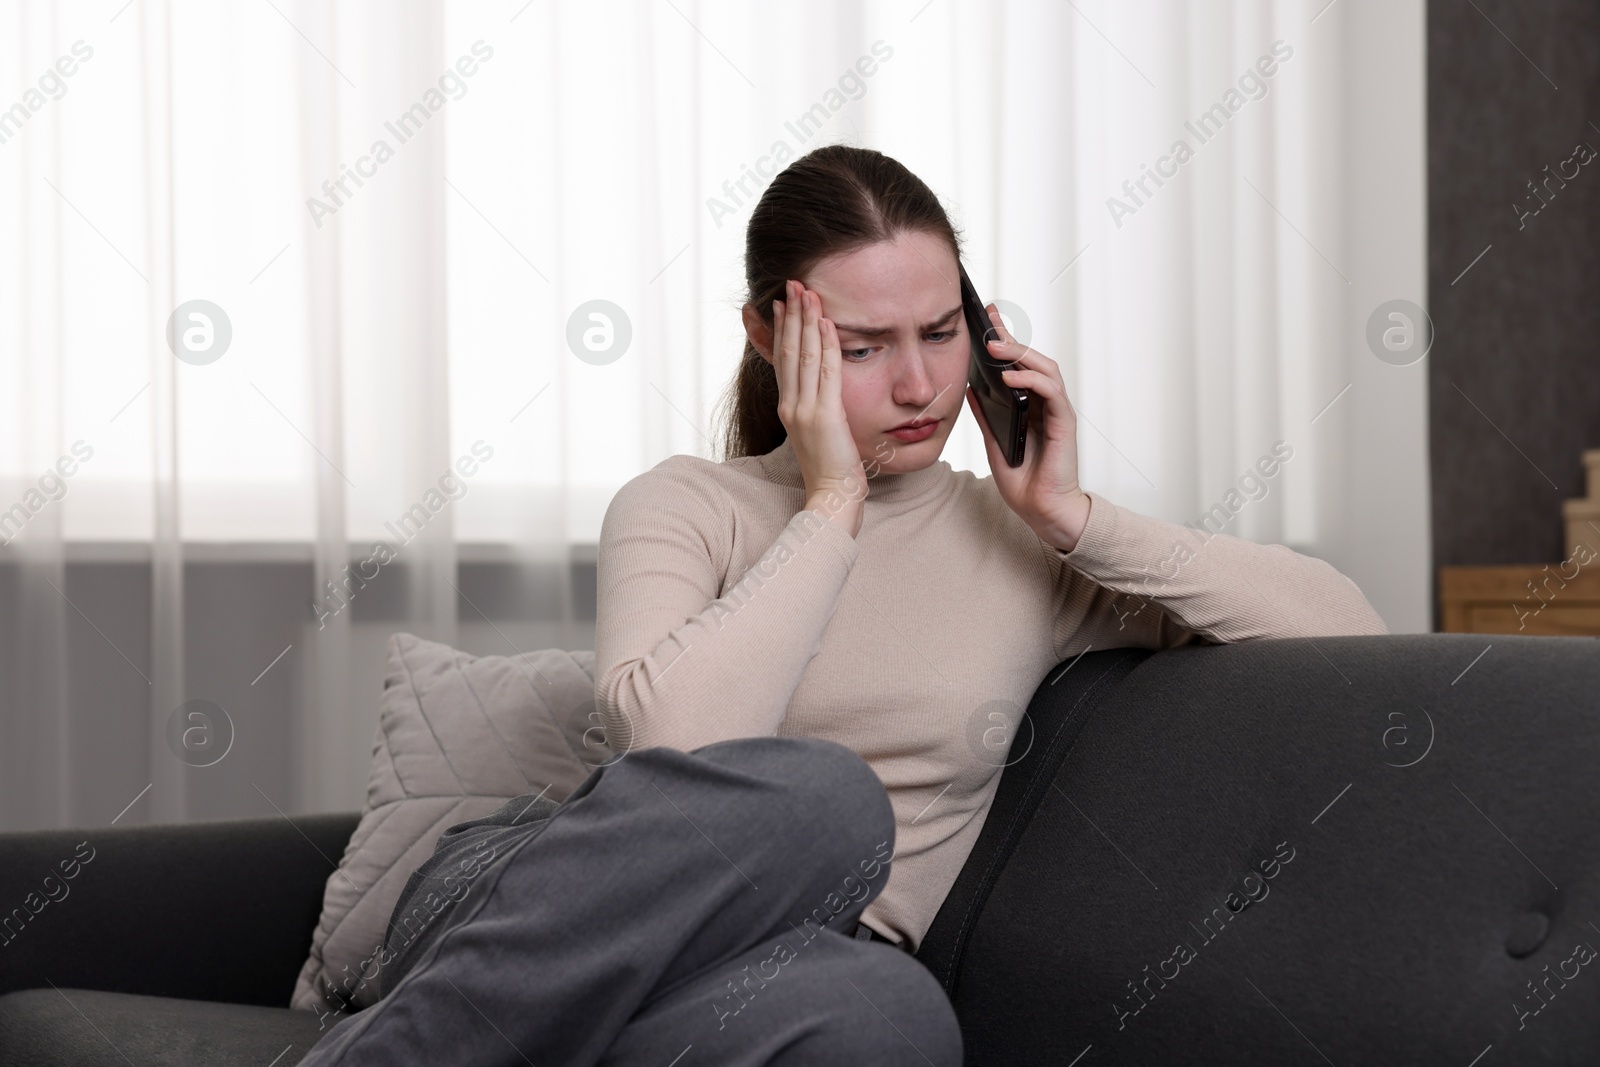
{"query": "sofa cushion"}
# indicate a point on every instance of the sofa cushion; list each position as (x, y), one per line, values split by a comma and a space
(459, 736)
(89, 1028)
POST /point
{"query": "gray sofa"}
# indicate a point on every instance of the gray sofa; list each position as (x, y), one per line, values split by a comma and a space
(1350, 850)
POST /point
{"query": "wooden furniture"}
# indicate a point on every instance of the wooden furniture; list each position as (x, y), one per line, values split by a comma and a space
(1582, 515)
(1549, 599)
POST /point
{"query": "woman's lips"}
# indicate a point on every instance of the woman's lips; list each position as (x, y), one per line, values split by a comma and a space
(920, 433)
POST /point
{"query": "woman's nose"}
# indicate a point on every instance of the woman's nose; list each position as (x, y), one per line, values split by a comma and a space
(915, 384)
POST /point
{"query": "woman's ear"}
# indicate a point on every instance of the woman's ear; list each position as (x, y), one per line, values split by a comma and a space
(759, 332)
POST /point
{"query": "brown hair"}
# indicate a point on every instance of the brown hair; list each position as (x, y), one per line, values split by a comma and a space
(829, 202)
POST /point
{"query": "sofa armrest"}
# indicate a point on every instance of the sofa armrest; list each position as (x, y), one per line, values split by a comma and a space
(220, 910)
(1232, 852)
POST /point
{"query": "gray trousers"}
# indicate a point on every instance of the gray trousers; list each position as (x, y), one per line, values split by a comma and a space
(678, 909)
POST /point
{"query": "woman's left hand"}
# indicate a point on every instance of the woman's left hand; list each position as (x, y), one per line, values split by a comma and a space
(1044, 489)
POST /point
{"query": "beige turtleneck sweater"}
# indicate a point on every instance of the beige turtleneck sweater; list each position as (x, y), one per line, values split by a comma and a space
(726, 609)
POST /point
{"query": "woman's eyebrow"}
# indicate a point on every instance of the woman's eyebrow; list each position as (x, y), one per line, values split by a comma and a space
(884, 331)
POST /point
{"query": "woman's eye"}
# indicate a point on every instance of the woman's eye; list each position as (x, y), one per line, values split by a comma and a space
(859, 355)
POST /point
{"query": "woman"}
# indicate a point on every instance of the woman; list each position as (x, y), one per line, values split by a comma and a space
(836, 579)
(809, 660)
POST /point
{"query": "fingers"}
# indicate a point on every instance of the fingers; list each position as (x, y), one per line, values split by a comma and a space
(1057, 407)
(829, 388)
(789, 346)
(997, 329)
(1036, 382)
(778, 309)
(1001, 345)
(794, 324)
(810, 349)
(996, 341)
(806, 353)
(1008, 348)
(1029, 369)
(993, 311)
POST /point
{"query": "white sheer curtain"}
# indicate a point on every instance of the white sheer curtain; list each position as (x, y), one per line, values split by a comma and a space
(413, 217)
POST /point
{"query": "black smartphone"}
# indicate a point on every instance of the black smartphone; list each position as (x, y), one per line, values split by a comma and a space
(1005, 407)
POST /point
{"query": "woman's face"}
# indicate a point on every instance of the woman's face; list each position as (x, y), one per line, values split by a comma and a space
(903, 348)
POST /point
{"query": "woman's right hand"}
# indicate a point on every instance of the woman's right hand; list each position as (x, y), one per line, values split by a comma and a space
(805, 351)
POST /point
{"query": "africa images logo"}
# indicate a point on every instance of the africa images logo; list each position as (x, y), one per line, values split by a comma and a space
(1252, 85)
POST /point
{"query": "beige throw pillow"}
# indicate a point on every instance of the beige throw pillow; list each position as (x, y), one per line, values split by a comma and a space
(459, 735)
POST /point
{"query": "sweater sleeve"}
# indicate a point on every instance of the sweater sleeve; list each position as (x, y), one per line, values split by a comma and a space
(1134, 580)
(678, 663)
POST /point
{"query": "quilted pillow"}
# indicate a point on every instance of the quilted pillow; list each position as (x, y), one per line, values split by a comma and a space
(459, 735)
